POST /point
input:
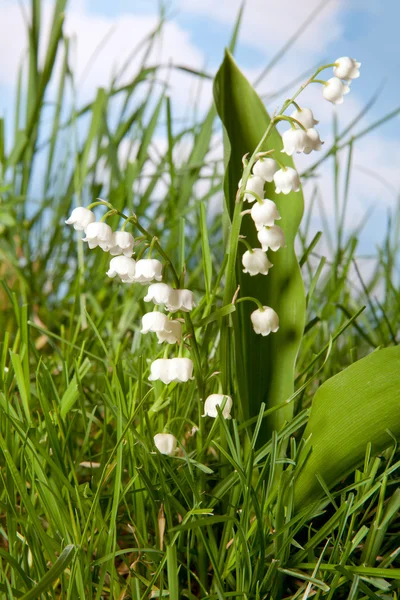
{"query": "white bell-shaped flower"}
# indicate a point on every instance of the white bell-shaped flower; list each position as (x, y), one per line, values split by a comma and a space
(286, 180)
(167, 330)
(99, 234)
(148, 269)
(347, 68)
(124, 267)
(256, 262)
(162, 293)
(266, 168)
(166, 443)
(80, 218)
(122, 243)
(294, 140)
(254, 184)
(154, 321)
(334, 90)
(271, 238)
(305, 117)
(184, 301)
(211, 403)
(264, 321)
(168, 370)
(265, 213)
(173, 335)
(313, 141)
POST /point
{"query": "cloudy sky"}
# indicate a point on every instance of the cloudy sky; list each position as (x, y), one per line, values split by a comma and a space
(195, 35)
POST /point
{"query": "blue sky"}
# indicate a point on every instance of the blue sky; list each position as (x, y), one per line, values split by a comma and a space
(196, 34)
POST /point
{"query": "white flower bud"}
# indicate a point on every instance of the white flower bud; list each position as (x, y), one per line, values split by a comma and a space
(124, 267)
(254, 184)
(305, 117)
(168, 370)
(166, 329)
(294, 140)
(266, 168)
(80, 218)
(166, 443)
(271, 237)
(347, 68)
(148, 269)
(161, 293)
(265, 213)
(99, 234)
(122, 243)
(211, 403)
(313, 141)
(264, 321)
(256, 262)
(286, 180)
(334, 90)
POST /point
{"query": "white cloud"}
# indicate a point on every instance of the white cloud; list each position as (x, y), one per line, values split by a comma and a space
(100, 47)
(267, 24)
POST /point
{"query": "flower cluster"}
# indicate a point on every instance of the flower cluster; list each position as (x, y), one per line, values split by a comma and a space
(345, 69)
(301, 137)
(144, 271)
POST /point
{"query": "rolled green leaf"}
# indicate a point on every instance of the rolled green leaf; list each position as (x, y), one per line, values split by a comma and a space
(264, 365)
(358, 406)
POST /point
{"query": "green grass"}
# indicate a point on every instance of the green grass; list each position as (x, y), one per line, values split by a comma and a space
(88, 509)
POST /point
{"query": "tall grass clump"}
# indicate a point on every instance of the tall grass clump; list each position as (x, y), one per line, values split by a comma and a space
(192, 404)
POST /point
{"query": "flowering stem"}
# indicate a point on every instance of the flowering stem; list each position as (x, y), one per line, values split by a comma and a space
(246, 243)
(292, 121)
(188, 320)
(319, 81)
(251, 299)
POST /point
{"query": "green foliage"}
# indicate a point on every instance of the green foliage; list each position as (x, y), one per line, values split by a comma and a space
(353, 409)
(88, 508)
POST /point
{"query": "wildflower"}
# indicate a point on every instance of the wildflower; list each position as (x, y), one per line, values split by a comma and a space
(347, 68)
(80, 218)
(271, 237)
(334, 90)
(165, 443)
(264, 213)
(161, 293)
(264, 321)
(294, 140)
(265, 168)
(166, 329)
(313, 141)
(168, 370)
(99, 234)
(256, 262)
(211, 403)
(254, 184)
(122, 243)
(124, 267)
(184, 301)
(148, 269)
(286, 180)
(305, 117)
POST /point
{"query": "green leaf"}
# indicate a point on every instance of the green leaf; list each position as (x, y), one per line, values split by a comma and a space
(358, 406)
(265, 366)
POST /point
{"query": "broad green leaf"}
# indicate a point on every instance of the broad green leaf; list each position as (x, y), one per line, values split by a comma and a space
(265, 366)
(358, 406)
